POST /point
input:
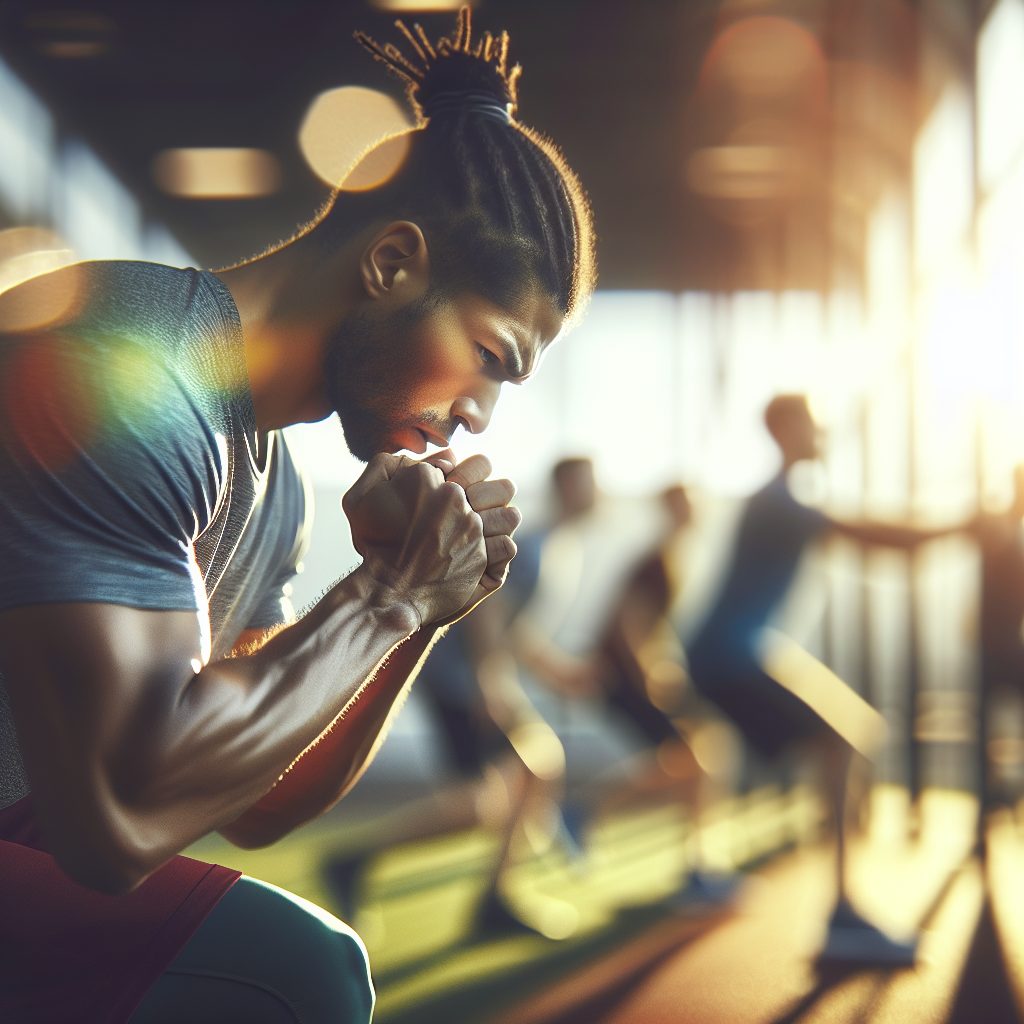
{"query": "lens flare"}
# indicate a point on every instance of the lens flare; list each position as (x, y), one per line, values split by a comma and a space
(50, 410)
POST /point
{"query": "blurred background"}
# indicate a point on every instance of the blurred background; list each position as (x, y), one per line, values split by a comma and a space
(816, 196)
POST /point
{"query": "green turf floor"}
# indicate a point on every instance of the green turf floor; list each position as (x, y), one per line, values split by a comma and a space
(416, 900)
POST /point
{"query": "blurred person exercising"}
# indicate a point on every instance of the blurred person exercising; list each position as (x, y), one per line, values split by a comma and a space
(638, 659)
(156, 687)
(496, 739)
(508, 765)
(636, 669)
(778, 695)
(597, 629)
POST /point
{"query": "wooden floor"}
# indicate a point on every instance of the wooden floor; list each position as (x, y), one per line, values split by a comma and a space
(757, 967)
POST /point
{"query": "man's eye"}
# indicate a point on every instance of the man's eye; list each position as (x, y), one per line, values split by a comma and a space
(487, 357)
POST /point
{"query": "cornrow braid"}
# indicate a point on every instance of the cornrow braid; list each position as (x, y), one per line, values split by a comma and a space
(452, 69)
(498, 204)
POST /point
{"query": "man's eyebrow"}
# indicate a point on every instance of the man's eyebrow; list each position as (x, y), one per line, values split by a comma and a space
(513, 355)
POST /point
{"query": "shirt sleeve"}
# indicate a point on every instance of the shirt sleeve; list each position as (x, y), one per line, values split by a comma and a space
(109, 470)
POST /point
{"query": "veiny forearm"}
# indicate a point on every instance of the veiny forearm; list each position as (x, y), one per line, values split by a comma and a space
(237, 725)
(329, 768)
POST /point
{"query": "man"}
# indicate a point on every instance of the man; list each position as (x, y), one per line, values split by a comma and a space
(631, 652)
(150, 515)
(778, 696)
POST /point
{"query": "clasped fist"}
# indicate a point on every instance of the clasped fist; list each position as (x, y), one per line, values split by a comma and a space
(434, 534)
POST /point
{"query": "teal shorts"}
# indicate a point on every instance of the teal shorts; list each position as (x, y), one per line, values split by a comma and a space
(264, 956)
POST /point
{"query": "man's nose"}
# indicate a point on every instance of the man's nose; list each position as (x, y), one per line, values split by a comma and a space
(475, 410)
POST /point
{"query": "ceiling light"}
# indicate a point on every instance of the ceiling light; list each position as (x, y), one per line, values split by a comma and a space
(414, 6)
(217, 172)
(71, 34)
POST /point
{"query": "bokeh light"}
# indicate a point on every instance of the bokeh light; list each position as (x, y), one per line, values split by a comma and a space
(217, 172)
(27, 252)
(340, 128)
(42, 301)
(766, 57)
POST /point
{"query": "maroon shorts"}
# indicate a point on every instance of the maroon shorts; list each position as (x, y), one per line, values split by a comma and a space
(73, 954)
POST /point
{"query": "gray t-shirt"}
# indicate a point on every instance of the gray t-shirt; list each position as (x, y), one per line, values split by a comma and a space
(131, 471)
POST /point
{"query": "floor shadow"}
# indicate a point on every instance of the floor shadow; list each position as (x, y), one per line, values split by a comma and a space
(830, 976)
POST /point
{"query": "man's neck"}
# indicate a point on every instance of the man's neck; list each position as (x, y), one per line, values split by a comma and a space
(288, 312)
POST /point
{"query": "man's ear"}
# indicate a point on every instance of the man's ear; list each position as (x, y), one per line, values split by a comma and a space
(396, 257)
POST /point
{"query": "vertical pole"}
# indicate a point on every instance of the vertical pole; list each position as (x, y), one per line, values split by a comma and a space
(981, 682)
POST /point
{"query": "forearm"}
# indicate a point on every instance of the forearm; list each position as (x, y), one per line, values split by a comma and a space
(894, 535)
(329, 768)
(237, 725)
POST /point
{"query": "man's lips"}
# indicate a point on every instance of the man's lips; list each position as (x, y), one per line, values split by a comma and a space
(412, 439)
(416, 439)
(434, 437)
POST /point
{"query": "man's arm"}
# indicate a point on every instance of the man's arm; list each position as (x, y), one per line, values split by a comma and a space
(331, 767)
(134, 749)
(894, 535)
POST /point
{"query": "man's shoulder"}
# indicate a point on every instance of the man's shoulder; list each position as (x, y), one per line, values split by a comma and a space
(86, 291)
(128, 315)
(150, 302)
(775, 506)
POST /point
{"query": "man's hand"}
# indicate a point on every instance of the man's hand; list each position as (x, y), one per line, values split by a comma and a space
(490, 499)
(419, 535)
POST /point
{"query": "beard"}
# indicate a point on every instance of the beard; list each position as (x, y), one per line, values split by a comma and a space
(371, 367)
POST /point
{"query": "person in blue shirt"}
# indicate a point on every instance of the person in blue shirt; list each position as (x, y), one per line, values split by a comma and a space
(779, 697)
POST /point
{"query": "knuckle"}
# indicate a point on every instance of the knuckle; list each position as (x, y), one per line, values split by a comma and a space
(453, 493)
(503, 550)
(508, 489)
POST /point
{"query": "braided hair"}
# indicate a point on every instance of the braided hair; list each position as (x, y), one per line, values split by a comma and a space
(498, 204)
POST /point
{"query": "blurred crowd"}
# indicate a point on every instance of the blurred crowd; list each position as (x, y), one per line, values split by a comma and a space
(708, 692)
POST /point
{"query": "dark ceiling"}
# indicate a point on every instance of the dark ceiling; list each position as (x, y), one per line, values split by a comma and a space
(614, 83)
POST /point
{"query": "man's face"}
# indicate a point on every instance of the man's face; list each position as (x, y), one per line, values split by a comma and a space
(807, 435)
(577, 489)
(403, 378)
(799, 436)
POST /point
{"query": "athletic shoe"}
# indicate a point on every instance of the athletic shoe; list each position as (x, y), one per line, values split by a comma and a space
(853, 940)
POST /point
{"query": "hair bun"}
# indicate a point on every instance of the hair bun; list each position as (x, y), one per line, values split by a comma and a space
(452, 76)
